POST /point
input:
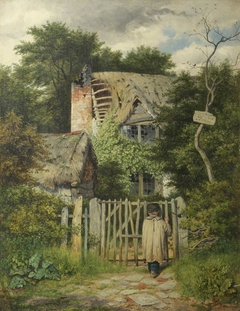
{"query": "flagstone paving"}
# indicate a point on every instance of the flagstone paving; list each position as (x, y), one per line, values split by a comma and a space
(136, 292)
(141, 292)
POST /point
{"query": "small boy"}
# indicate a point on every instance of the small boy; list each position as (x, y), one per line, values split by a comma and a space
(154, 239)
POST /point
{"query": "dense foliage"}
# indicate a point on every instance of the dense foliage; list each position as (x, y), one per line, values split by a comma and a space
(30, 213)
(147, 60)
(21, 149)
(29, 223)
(16, 95)
(52, 60)
(210, 273)
(119, 158)
(212, 209)
(176, 146)
(32, 271)
(39, 88)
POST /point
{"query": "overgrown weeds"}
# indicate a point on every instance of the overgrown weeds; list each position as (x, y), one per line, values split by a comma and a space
(68, 263)
(74, 270)
(210, 273)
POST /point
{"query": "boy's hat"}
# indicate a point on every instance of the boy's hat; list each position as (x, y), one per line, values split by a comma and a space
(153, 207)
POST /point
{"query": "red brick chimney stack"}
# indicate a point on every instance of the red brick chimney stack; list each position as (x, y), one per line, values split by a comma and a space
(81, 108)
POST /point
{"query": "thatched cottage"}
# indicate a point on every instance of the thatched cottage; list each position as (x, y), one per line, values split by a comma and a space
(131, 98)
(70, 170)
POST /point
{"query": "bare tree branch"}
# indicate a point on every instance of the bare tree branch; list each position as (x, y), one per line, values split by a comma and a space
(220, 38)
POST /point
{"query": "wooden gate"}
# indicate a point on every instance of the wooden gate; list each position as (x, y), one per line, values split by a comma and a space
(118, 225)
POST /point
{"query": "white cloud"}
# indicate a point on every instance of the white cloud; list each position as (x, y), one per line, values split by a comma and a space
(143, 35)
(123, 25)
(189, 58)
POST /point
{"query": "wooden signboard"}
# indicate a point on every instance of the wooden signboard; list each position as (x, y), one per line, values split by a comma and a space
(204, 117)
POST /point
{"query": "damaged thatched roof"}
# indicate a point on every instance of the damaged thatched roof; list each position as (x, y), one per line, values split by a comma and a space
(121, 93)
(71, 160)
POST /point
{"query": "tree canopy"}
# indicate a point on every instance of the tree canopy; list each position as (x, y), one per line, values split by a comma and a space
(176, 146)
(145, 59)
(21, 148)
(54, 58)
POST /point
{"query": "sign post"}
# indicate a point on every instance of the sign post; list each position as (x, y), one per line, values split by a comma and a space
(204, 117)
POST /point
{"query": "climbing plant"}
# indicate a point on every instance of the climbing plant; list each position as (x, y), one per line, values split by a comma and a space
(119, 157)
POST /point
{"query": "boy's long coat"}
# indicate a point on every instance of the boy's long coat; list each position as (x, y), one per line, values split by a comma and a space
(154, 239)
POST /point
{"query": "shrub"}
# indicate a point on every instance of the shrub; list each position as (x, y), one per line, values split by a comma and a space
(209, 273)
(212, 211)
(31, 213)
(28, 224)
(33, 270)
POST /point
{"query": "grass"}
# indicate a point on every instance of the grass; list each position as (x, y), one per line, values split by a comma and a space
(75, 271)
(69, 264)
(210, 273)
(201, 275)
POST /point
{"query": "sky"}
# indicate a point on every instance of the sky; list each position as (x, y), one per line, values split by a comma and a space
(169, 25)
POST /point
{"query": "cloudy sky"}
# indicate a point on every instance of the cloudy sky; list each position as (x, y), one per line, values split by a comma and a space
(125, 24)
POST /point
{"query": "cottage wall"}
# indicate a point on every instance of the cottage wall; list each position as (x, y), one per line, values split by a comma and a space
(81, 108)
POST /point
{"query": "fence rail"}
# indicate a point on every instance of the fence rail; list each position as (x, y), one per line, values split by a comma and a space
(117, 225)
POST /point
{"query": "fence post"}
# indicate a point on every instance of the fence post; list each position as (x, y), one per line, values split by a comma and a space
(182, 233)
(85, 233)
(95, 220)
(77, 223)
(174, 230)
(64, 223)
(126, 232)
(103, 230)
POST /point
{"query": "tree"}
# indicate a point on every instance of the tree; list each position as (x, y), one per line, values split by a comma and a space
(147, 60)
(176, 150)
(21, 148)
(107, 60)
(16, 94)
(214, 37)
(53, 59)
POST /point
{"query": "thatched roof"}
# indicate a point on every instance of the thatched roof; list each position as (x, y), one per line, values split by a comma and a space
(125, 91)
(70, 155)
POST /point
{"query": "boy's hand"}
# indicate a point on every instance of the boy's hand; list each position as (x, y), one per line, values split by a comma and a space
(166, 219)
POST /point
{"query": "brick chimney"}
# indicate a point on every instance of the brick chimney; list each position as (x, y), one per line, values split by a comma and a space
(81, 107)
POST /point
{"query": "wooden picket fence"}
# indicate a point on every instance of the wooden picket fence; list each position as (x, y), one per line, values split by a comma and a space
(117, 226)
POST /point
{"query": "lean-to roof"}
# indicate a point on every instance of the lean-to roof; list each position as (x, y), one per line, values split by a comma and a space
(70, 155)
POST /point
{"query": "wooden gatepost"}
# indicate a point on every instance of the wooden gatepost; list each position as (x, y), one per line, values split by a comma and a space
(64, 223)
(182, 232)
(77, 226)
(179, 234)
(95, 220)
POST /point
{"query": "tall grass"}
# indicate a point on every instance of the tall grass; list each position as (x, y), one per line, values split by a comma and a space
(69, 264)
(210, 273)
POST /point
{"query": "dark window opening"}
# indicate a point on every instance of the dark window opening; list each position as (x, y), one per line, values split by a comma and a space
(131, 131)
(142, 133)
(135, 184)
(147, 133)
(147, 186)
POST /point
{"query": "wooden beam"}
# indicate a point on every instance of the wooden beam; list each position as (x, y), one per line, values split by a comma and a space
(101, 105)
(101, 90)
(104, 97)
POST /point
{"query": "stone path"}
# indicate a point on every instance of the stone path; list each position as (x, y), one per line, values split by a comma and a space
(139, 289)
(133, 291)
